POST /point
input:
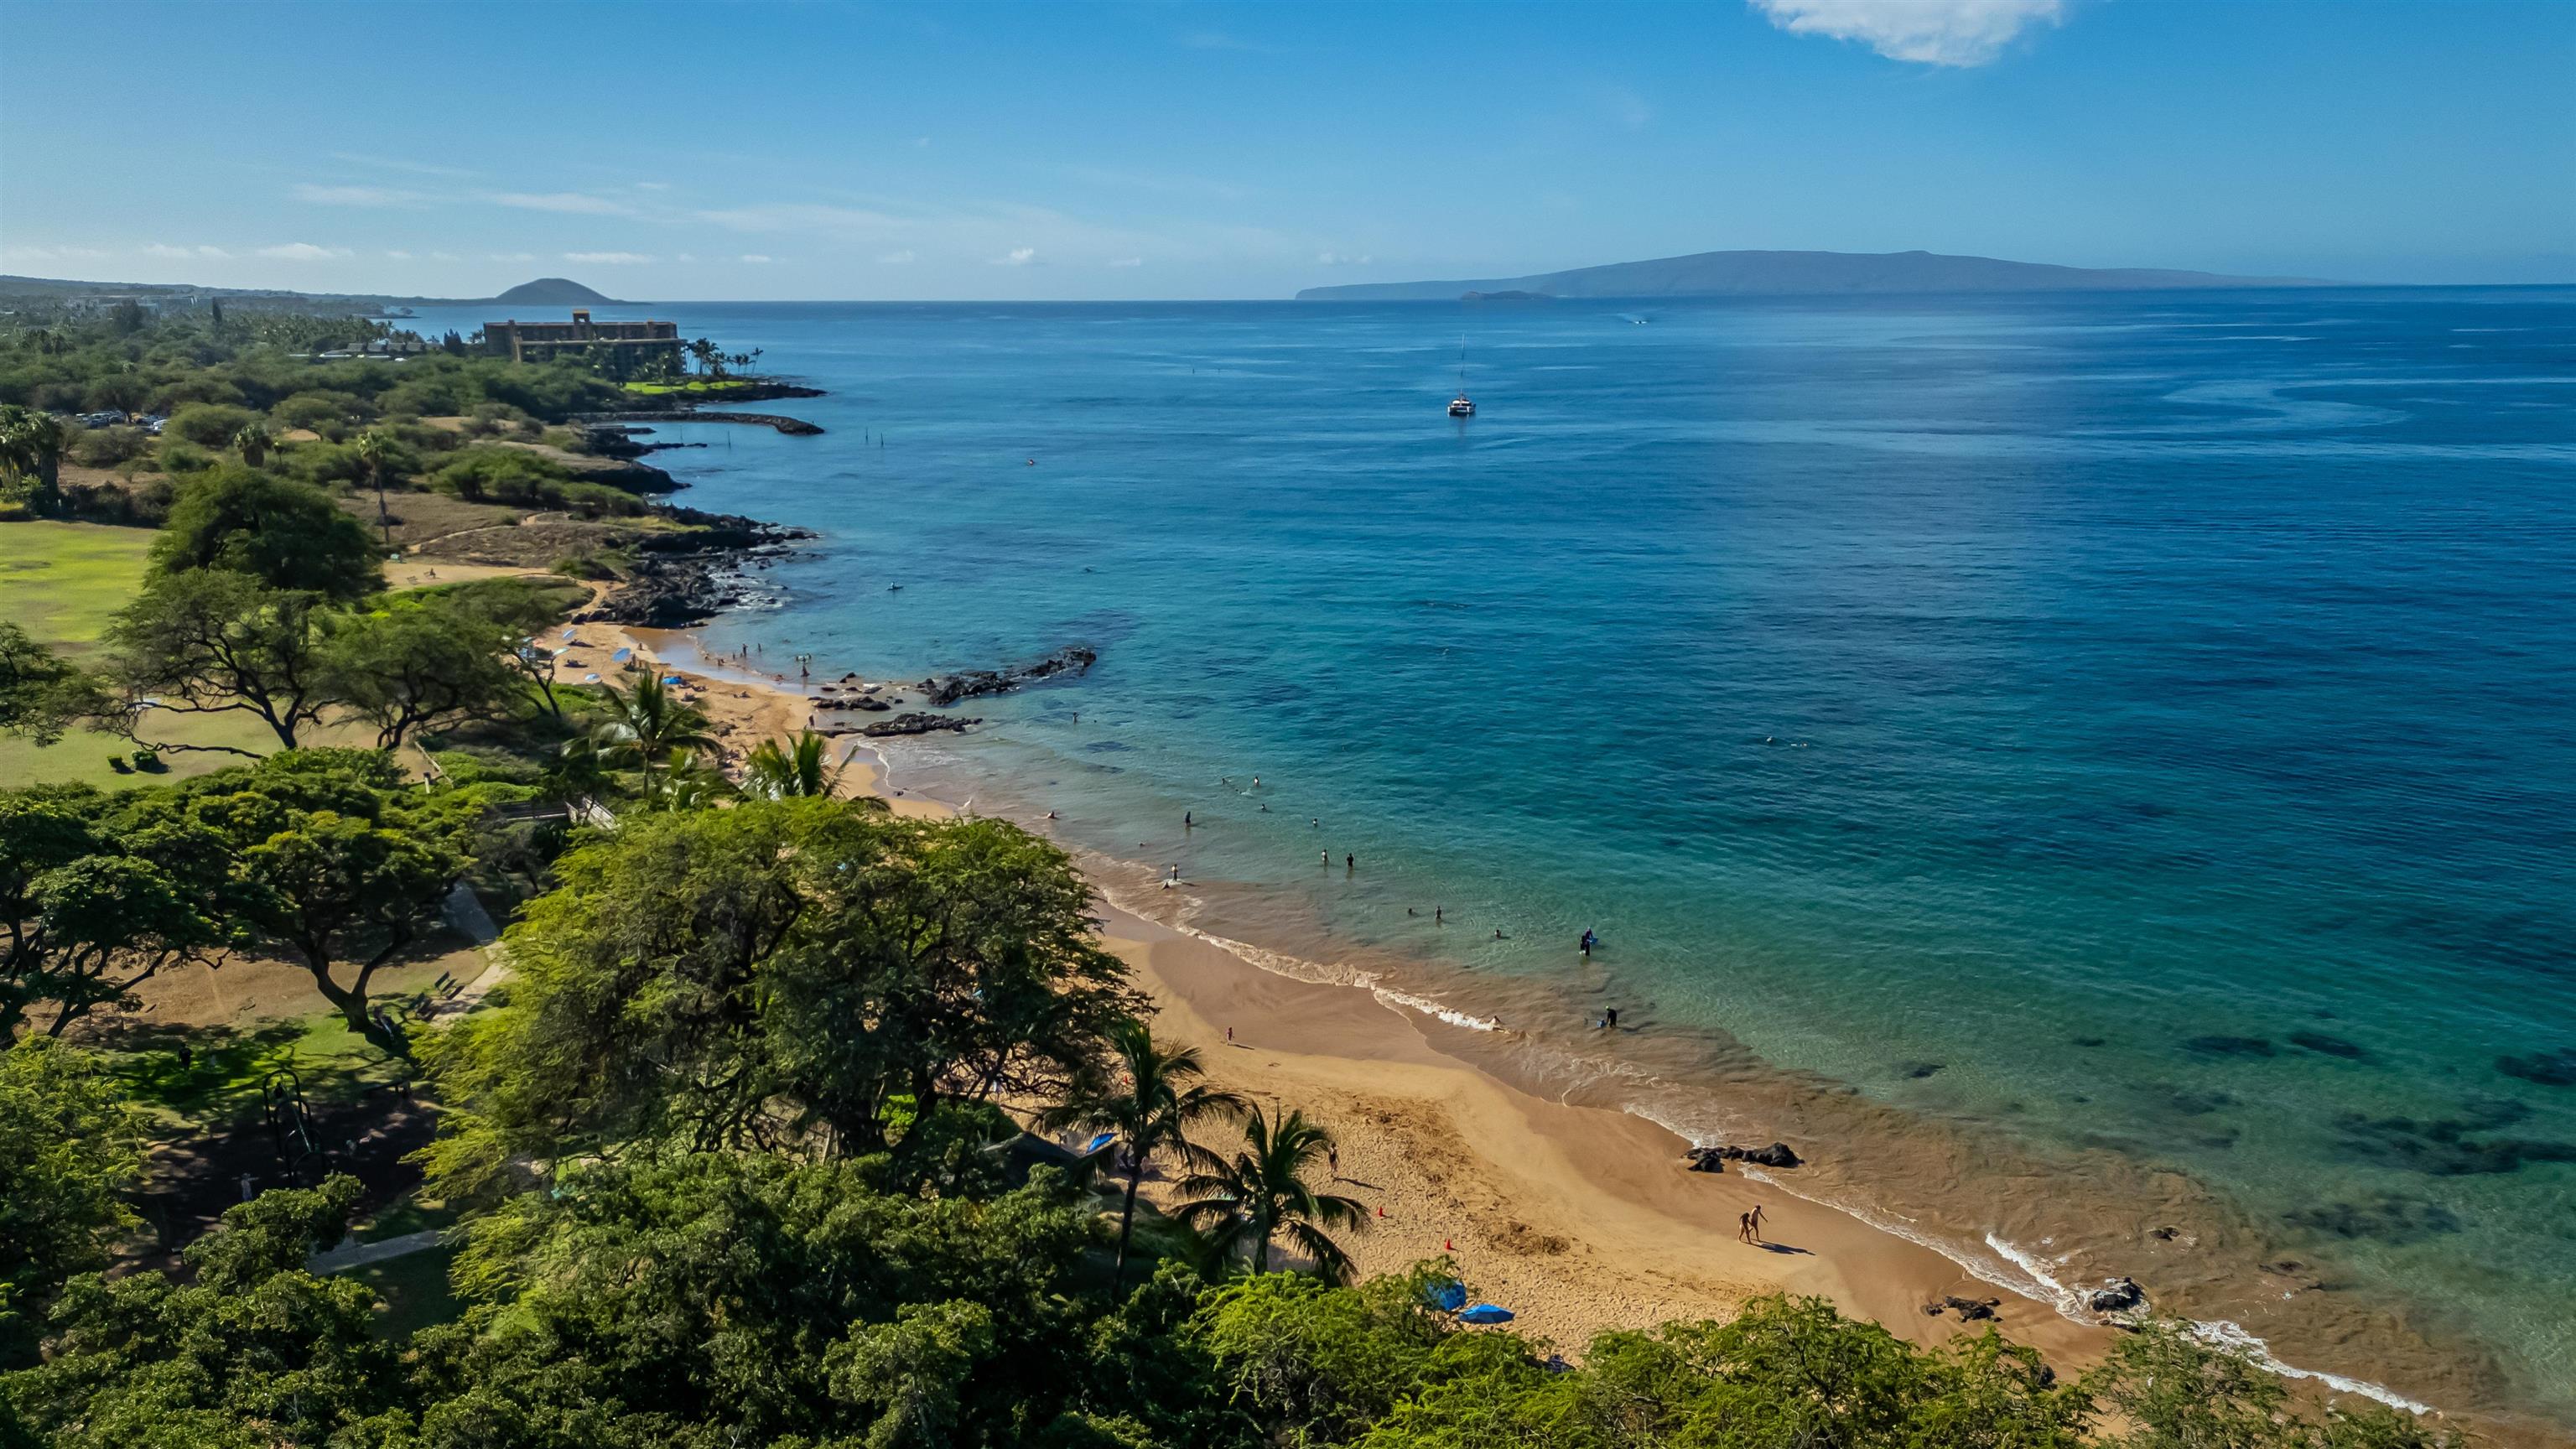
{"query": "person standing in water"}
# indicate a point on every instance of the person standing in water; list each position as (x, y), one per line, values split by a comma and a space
(1189, 820)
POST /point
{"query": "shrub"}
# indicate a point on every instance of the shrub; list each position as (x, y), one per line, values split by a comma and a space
(209, 425)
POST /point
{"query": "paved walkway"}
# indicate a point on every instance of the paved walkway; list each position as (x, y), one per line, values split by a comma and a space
(359, 1255)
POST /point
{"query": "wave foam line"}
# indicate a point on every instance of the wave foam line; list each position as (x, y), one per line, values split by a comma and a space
(2220, 1333)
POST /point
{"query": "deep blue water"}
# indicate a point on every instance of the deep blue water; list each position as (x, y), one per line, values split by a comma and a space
(1894, 684)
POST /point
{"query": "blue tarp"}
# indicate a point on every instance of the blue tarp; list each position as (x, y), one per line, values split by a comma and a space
(1486, 1313)
(1449, 1297)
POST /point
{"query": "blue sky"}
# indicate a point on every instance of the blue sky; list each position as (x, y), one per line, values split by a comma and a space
(1208, 150)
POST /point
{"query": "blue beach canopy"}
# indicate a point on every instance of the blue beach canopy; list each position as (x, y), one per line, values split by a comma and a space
(1096, 1143)
(1486, 1313)
(673, 679)
(623, 655)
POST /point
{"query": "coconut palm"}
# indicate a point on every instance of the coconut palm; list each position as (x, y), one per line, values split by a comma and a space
(253, 442)
(31, 455)
(375, 451)
(803, 767)
(1151, 1112)
(648, 725)
(685, 782)
(1261, 1193)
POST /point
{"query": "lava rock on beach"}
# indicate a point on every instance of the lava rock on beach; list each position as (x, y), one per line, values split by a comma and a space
(1968, 1309)
(1071, 659)
(1712, 1159)
(2118, 1295)
(917, 723)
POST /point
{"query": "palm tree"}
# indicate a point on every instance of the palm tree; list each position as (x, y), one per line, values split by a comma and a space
(802, 768)
(685, 783)
(253, 442)
(375, 450)
(1261, 1193)
(648, 725)
(31, 454)
(1152, 1112)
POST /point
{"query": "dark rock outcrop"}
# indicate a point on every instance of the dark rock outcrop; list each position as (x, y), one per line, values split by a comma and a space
(688, 576)
(1706, 1159)
(1968, 1309)
(917, 723)
(2549, 1069)
(2117, 1295)
(1071, 659)
(793, 427)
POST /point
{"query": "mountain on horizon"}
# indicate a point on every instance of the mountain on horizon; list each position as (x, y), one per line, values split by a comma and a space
(1790, 274)
(555, 292)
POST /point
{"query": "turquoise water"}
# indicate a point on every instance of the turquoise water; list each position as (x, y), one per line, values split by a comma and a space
(2135, 735)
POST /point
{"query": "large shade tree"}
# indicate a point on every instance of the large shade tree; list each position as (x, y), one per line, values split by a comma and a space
(285, 534)
(797, 975)
(212, 641)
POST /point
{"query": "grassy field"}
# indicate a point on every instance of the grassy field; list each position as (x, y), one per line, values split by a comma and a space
(61, 582)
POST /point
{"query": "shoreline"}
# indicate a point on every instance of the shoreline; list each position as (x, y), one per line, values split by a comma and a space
(1581, 1214)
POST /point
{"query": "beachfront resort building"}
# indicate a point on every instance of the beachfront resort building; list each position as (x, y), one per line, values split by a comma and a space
(537, 341)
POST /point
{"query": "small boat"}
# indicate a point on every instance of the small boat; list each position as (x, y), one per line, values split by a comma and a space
(1462, 406)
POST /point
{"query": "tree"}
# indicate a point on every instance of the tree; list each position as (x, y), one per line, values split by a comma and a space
(285, 534)
(779, 975)
(41, 693)
(647, 725)
(71, 1148)
(31, 459)
(338, 863)
(1261, 1193)
(211, 641)
(254, 442)
(97, 897)
(1151, 1110)
(257, 1353)
(419, 665)
(333, 885)
(376, 452)
(802, 767)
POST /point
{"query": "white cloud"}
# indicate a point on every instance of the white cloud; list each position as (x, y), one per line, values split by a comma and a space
(163, 249)
(445, 257)
(206, 251)
(1016, 257)
(685, 257)
(758, 259)
(1128, 262)
(608, 259)
(903, 258)
(1342, 259)
(1933, 32)
(303, 252)
(356, 195)
(54, 254)
(571, 203)
(652, 185)
(399, 255)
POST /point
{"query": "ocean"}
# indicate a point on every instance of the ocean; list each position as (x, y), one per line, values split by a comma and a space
(2095, 772)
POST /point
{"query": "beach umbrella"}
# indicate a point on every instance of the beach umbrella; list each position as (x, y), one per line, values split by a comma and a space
(590, 679)
(1486, 1313)
(673, 679)
(1096, 1143)
(622, 655)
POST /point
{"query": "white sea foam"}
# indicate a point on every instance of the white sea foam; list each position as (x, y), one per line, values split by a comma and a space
(2220, 1333)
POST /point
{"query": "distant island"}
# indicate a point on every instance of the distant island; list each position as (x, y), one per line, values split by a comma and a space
(1789, 274)
(48, 291)
(556, 292)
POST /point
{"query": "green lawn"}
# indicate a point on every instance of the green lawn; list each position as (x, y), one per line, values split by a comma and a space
(226, 1064)
(414, 1288)
(61, 581)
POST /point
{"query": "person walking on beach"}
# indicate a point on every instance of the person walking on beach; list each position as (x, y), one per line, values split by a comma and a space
(1333, 1161)
(1744, 1227)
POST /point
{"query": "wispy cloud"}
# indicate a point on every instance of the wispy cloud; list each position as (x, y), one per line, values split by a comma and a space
(1128, 262)
(1930, 32)
(757, 259)
(571, 203)
(304, 252)
(1342, 259)
(514, 256)
(319, 195)
(1016, 257)
(398, 255)
(23, 255)
(608, 259)
(169, 253)
(903, 258)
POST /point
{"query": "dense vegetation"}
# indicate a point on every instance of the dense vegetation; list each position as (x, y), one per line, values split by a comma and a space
(737, 1146)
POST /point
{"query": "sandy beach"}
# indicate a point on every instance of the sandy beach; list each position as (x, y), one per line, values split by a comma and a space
(1578, 1218)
